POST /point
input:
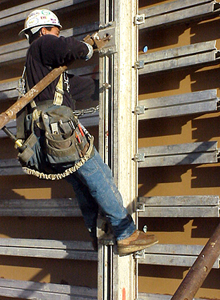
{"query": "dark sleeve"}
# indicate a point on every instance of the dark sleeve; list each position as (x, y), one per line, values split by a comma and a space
(81, 88)
(61, 51)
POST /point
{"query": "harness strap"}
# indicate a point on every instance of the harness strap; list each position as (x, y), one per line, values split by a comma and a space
(58, 96)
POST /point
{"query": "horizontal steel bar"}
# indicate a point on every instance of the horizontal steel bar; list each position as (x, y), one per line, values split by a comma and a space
(65, 207)
(181, 154)
(173, 255)
(191, 55)
(47, 249)
(43, 290)
(147, 296)
(177, 105)
(179, 206)
(188, 200)
(181, 212)
(19, 13)
(178, 52)
(176, 12)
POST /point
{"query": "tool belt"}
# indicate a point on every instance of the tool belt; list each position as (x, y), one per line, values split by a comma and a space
(62, 143)
(55, 139)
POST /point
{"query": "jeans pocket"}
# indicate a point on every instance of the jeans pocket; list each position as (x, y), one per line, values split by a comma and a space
(89, 168)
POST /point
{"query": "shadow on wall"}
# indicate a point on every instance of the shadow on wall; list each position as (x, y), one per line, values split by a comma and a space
(161, 127)
(205, 31)
(205, 129)
(162, 37)
(177, 273)
(151, 177)
(199, 79)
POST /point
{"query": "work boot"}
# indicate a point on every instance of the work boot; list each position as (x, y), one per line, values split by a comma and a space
(136, 242)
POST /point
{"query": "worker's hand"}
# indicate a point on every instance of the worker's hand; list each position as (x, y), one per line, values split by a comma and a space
(90, 53)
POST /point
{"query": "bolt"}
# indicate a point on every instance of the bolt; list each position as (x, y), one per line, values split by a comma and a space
(145, 228)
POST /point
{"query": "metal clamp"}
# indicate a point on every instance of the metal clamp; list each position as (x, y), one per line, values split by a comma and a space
(139, 254)
(140, 207)
(106, 52)
(139, 110)
(139, 157)
(106, 86)
(139, 19)
(108, 32)
(139, 64)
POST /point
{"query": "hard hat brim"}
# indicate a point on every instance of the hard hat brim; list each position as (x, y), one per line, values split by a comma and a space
(25, 30)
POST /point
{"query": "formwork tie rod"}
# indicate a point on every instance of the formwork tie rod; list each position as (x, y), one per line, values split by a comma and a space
(200, 269)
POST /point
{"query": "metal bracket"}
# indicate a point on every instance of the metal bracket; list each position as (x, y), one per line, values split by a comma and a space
(106, 52)
(139, 64)
(107, 240)
(218, 155)
(105, 86)
(139, 110)
(139, 19)
(108, 32)
(140, 207)
(139, 157)
(139, 254)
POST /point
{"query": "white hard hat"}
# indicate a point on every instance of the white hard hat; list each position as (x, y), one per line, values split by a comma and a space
(40, 18)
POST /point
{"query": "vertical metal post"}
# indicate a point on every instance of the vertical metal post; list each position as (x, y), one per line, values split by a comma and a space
(118, 136)
(200, 269)
(105, 252)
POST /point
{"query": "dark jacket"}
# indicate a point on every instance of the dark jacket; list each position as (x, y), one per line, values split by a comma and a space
(48, 52)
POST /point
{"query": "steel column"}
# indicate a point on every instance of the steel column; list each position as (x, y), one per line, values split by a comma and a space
(118, 135)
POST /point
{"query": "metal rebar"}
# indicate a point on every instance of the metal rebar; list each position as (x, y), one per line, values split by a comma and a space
(200, 269)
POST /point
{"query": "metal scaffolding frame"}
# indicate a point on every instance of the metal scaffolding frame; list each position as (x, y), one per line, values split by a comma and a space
(116, 277)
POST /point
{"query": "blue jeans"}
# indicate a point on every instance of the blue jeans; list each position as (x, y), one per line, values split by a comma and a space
(95, 189)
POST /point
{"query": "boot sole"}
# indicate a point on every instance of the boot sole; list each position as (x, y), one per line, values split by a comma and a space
(133, 248)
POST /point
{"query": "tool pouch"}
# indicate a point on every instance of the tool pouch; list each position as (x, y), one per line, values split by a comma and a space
(62, 140)
(65, 141)
(31, 155)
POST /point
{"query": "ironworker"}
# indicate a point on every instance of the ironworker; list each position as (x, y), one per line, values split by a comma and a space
(93, 183)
